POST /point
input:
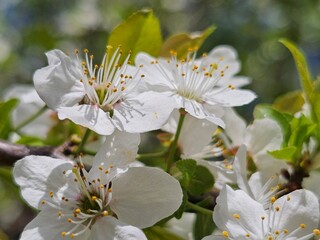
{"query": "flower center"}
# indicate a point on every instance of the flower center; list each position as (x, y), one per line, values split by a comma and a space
(109, 83)
(193, 78)
(82, 210)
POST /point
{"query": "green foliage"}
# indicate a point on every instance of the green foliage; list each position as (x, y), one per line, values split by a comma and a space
(302, 67)
(5, 109)
(310, 87)
(160, 233)
(139, 33)
(203, 226)
(194, 178)
(301, 129)
(291, 102)
(184, 41)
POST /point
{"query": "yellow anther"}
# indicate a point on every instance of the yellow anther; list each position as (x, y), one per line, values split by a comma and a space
(114, 90)
(277, 232)
(285, 231)
(204, 54)
(263, 218)
(247, 235)
(51, 194)
(288, 198)
(225, 234)
(110, 190)
(111, 166)
(236, 216)
(76, 51)
(316, 232)
(100, 168)
(277, 208)
(141, 65)
(63, 234)
(106, 172)
(69, 220)
(273, 199)
(142, 75)
(91, 56)
(302, 225)
(72, 235)
(77, 210)
(86, 50)
(105, 213)
(231, 86)
(101, 186)
(270, 238)
(43, 202)
(93, 198)
(173, 52)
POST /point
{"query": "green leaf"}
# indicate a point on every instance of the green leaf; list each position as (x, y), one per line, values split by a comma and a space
(283, 119)
(302, 129)
(160, 233)
(184, 41)
(302, 67)
(291, 102)
(202, 181)
(286, 153)
(203, 226)
(140, 32)
(194, 178)
(5, 110)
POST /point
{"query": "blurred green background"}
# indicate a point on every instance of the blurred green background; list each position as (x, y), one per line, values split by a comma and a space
(29, 28)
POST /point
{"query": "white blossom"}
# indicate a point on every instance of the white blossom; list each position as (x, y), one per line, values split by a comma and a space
(200, 86)
(294, 216)
(100, 97)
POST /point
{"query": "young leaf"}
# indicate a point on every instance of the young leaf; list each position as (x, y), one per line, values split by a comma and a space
(5, 109)
(194, 178)
(183, 41)
(140, 32)
(286, 153)
(291, 102)
(302, 67)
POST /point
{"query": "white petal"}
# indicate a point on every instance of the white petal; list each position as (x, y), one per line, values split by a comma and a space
(142, 196)
(263, 135)
(89, 116)
(58, 84)
(145, 112)
(45, 226)
(224, 56)
(119, 151)
(111, 228)
(192, 128)
(232, 202)
(236, 81)
(268, 165)
(230, 97)
(235, 126)
(302, 208)
(240, 168)
(154, 78)
(37, 175)
(200, 111)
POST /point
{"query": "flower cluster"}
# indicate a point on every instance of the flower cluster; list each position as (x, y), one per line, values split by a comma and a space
(252, 177)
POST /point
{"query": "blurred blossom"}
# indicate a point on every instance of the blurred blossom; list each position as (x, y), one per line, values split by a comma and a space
(84, 17)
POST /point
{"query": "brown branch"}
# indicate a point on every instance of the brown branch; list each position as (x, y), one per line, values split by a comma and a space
(10, 152)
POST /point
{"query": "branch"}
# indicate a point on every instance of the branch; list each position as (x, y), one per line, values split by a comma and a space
(10, 152)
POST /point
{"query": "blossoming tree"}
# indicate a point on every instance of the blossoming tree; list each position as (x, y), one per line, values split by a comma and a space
(212, 175)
